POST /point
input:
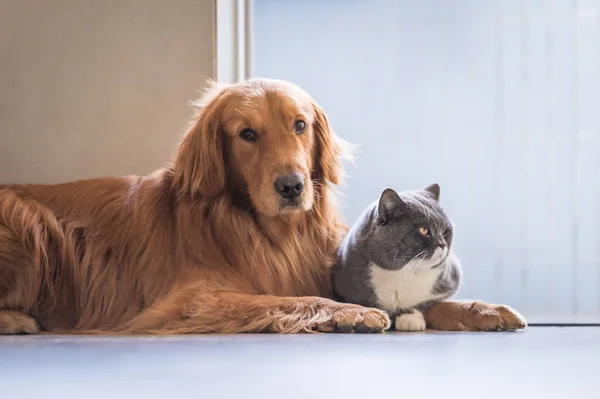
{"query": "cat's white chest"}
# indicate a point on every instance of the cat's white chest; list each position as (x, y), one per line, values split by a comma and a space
(404, 288)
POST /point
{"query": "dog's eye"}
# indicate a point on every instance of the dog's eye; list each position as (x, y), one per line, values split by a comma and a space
(248, 135)
(299, 126)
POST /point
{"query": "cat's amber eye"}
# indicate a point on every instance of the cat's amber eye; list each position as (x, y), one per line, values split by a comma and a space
(423, 231)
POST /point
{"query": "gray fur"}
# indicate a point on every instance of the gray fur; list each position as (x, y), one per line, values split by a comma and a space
(387, 234)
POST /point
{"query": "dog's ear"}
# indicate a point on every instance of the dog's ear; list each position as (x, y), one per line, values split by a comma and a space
(329, 148)
(199, 168)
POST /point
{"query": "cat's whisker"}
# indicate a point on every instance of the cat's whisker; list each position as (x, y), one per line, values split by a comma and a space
(395, 255)
(417, 260)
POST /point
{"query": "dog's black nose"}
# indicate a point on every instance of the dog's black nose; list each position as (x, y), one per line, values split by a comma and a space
(289, 186)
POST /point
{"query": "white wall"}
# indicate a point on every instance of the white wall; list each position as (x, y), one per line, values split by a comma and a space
(94, 88)
(498, 101)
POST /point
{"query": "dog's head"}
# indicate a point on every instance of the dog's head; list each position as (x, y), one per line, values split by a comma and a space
(264, 140)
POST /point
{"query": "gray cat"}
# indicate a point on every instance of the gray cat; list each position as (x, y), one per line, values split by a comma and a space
(397, 257)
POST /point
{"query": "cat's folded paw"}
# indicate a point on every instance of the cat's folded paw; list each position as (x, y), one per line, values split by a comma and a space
(410, 321)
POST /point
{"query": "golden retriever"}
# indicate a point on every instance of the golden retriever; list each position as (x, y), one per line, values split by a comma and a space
(238, 235)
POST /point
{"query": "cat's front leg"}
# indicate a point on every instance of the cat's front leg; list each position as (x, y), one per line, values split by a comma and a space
(410, 320)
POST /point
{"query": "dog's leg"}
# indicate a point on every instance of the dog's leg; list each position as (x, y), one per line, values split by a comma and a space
(226, 312)
(473, 316)
(21, 234)
(19, 283)
(17, 323)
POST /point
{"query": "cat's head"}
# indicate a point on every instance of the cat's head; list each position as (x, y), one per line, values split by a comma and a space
(410, 229)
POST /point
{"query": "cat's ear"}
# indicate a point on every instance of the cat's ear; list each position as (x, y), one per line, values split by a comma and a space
(433, 191)
(390, 204)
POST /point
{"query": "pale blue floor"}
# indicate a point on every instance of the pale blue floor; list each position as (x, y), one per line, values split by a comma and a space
(540, 362)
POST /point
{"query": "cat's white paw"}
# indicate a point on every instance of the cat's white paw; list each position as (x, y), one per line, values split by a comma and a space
(411, 321)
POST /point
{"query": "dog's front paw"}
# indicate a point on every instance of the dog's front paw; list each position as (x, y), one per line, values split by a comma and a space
(473, 316)
(486, 317)
(348, 318)
(413, 321)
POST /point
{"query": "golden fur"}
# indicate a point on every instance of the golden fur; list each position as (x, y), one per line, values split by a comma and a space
(202, 246)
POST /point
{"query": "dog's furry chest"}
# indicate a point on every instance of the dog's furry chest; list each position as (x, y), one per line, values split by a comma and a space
(405, 288)
(300, 268)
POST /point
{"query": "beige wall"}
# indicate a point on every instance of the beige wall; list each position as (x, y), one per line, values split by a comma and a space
(98, 87)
